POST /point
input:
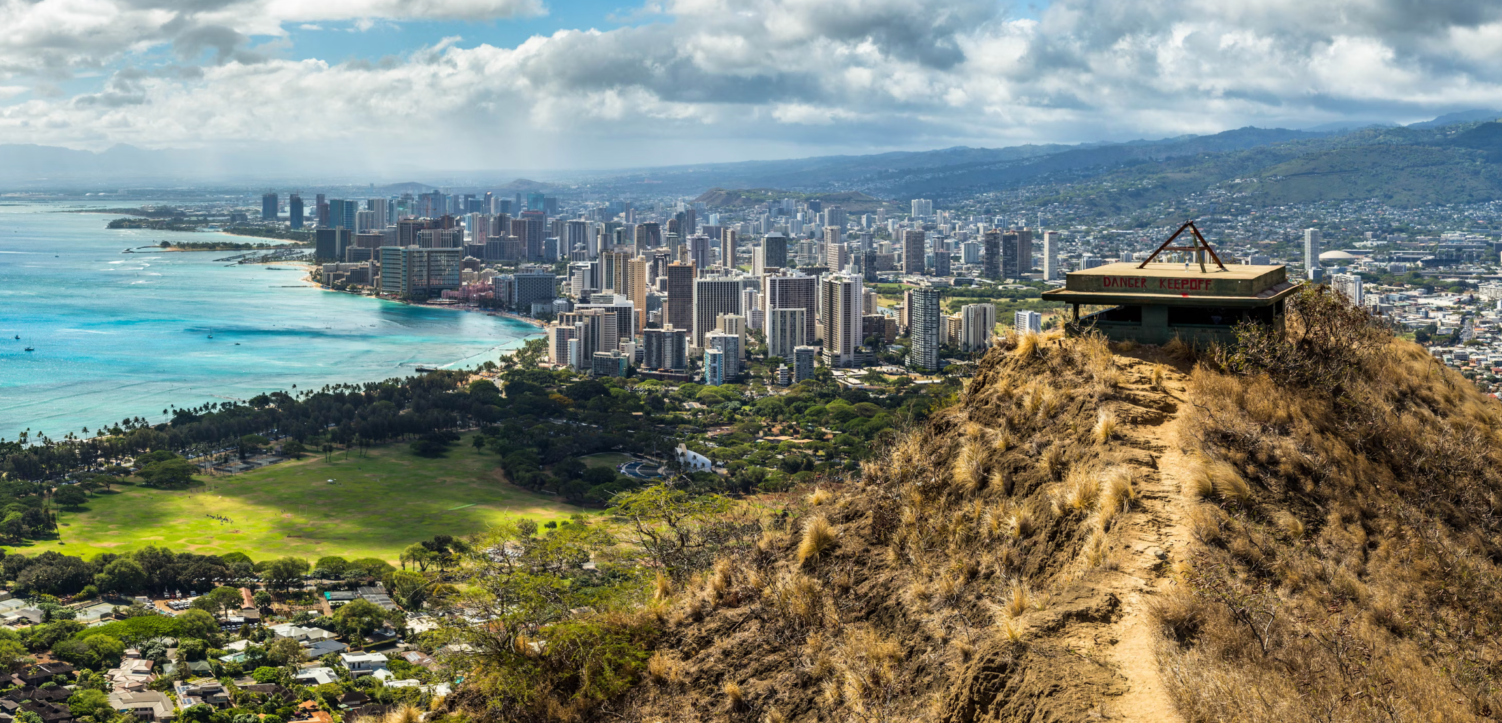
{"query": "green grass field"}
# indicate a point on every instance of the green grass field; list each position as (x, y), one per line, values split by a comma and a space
(376, 506)
(605, 459)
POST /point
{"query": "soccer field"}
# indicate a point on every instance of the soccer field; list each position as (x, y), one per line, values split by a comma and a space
(374, 507)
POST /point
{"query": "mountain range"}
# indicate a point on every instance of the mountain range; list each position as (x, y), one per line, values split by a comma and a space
(1455, 158)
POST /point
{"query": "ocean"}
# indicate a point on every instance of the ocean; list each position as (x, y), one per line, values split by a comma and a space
(126, 335)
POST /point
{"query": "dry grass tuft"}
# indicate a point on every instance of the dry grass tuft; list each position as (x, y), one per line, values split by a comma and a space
(798, 599)
(664, 670)
(818, 538)
(1158, 374)
(734, 696)
(1081, 490)
(662, 587)
(819, 497)
(1019, 599)
(969, 468)
(1027, 345)
(1105, 428)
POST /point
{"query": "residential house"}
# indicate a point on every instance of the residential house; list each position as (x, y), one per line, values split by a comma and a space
(316, 675)
(324, 647)
(133, 674)
(201, 690)
(145, 705)
(363, 663)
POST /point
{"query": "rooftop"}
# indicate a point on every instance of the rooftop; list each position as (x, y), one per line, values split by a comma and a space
(1174, 284)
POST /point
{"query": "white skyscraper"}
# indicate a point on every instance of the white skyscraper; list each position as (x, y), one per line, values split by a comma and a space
(922, 208)
(1050, 255)
(1028, 322)
(977, 322)
(1311, 249)
(1350, 286)
(786, 330)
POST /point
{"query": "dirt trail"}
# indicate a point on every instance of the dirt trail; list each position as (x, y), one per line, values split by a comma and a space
(1150, 538)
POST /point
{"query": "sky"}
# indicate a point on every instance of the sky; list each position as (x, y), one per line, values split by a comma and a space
(597, 84)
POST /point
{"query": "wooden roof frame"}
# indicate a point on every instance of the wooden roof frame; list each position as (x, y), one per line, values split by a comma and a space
(1197, 243)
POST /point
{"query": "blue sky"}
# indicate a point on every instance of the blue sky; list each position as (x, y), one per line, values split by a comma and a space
(387, 85)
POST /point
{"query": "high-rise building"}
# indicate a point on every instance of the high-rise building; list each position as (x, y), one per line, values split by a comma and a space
(836, 256)
(713, 296)
(727, 248)
(977, 323)
(922, 208)
(409, 271)
(840, 312)
(698, 252)
(1311, 249)
(342, 214)
(790, 289)
(912, 251)
(1050, 255)
(970, 252)
(532, 286)
(269, 207)
(533, 233)
(576, 236)
(1349, 285)
(558, 339)
(925, 323)
(665, 349)
(648, 236)
(730, 346)
(680, 306)
(1024, 252)
(941, 260)
(775, 250)
(786, 329)
(991, 254)
(714, 367)
(1027, 322)
(330, 243)
(636, 288)
(294, 210)
(1010, 258)
(803, 362)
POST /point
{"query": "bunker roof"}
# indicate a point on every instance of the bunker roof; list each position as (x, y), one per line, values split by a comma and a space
(1175, 285)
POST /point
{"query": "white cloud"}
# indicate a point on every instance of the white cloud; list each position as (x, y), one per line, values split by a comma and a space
(728, 79)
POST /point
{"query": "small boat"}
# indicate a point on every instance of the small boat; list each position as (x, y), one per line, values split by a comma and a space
(211, 333)
(30, 348)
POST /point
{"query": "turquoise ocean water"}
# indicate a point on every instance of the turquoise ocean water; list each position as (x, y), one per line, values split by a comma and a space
(126, 335)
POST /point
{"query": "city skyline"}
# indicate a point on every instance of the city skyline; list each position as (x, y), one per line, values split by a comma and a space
(379, 85)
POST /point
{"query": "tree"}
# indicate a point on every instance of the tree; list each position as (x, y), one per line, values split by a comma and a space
(176, 472)
(285, 572)
(358, 618)
(13, 655)
(251, 444)
(418, 556)
(294, 449)
(262, 599)
(410, 590)
(219, 601)
(94, 651)
(331, 567)
(197, 624)
(121, 575)
(71, 496)
(284, 651)
(682, 533)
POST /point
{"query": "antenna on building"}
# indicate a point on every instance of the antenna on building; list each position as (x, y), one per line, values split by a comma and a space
(1198, 245)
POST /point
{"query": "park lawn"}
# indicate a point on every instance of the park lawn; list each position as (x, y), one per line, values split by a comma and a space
(376, 506)
(612, 460)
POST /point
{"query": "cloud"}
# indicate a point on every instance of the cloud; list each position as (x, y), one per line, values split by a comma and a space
(55, 38)
(743, 78)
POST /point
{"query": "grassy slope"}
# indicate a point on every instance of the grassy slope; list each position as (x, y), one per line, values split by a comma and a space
(378, 505)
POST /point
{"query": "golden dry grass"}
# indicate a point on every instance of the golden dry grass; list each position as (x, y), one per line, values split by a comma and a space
(818, 537)
(1344, 561)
